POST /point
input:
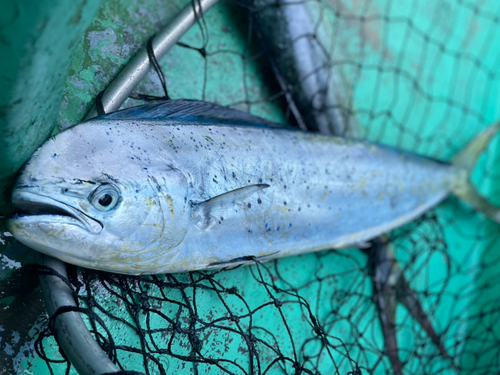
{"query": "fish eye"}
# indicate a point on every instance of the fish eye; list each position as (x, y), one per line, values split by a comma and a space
(105, 197)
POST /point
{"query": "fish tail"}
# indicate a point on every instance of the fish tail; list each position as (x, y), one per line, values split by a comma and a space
(464, 162)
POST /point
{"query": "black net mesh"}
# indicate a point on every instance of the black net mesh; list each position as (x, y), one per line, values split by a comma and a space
(419, 75)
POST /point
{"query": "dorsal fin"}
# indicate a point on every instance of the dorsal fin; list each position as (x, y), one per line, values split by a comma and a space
(191, 110)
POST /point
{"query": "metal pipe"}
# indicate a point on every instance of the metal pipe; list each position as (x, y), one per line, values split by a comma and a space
(78, 344)
(122, 86)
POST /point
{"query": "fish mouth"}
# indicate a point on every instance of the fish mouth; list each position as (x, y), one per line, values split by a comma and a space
(39, 206)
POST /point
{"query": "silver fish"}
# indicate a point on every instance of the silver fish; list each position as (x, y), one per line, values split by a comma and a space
(389, 283)
(298, 40)
(180, 186)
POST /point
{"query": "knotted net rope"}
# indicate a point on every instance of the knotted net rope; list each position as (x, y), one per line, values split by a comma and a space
(414, 75)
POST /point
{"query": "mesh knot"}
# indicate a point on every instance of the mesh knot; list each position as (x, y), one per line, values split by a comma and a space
(319, 330)
(196, 343)
(357, 371)
(277, 303)
(145, 301)
(298, 367)
(177, 328)
(91, 302)
(135, 308)
(249, 337)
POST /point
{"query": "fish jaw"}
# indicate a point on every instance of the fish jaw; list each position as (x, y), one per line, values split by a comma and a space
(55, 230)
(51, 226)
(69, 243)
(51, 235)
(46, 209)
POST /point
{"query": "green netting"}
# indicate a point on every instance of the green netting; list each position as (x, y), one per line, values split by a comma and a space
(423, 76)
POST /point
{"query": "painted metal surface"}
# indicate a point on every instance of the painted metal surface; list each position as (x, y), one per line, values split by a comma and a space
(108, 43)
(40, 40)
(118, 30)
(128, 79)
(75, 339)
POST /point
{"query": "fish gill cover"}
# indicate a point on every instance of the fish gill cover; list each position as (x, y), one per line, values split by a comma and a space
(422, 76)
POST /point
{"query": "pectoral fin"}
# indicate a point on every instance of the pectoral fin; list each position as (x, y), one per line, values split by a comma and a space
(210, 211)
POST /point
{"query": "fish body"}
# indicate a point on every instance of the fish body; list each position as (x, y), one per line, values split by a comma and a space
(169, 194)
(389, 283)
(300, 44)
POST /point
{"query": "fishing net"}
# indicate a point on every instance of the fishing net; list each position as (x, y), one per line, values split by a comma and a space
(422, 76)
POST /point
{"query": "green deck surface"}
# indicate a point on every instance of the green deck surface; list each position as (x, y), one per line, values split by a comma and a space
(63, 53)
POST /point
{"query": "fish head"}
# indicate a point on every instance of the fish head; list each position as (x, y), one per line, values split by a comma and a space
(89, 199)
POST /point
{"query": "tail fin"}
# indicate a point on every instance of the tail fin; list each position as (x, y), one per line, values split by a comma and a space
(465, 161)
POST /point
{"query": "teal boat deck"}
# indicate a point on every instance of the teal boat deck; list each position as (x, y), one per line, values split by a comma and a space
(424, 77)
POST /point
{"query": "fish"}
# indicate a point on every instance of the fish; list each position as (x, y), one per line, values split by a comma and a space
(300, 50)
(299, 42)
(302, 45)
(183, 185)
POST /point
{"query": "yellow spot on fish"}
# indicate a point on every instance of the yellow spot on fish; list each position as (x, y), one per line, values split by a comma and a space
(325, 193)
(170, 201)
(150, 202)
